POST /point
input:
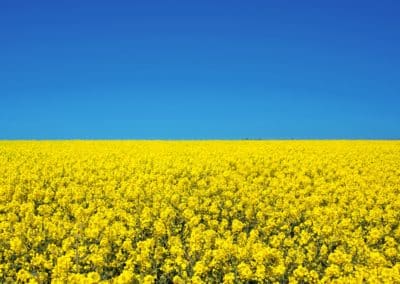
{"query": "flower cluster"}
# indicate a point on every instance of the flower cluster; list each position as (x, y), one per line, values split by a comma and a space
(200, 212)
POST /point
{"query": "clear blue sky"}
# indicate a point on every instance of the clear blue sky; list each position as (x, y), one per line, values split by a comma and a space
(199, 69)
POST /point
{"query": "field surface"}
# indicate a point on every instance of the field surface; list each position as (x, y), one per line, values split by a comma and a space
(200, 212)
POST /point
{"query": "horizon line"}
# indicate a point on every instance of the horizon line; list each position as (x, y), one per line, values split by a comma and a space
(194, 139)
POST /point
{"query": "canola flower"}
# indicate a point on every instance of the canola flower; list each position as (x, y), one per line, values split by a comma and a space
(200, 212)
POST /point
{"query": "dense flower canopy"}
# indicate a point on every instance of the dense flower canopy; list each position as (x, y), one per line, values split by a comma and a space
(200, 212)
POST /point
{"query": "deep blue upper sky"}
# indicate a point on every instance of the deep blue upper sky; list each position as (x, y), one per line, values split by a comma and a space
(199, 69)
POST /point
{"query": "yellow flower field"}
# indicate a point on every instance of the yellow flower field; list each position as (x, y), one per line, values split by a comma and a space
(200, 212)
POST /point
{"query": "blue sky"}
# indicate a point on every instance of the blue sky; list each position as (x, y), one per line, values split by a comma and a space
(199, 69)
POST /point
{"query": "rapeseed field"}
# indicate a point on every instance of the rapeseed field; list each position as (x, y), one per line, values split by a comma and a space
(200, 212)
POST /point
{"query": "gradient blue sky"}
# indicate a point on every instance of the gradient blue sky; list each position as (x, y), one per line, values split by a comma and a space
(199, 69)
